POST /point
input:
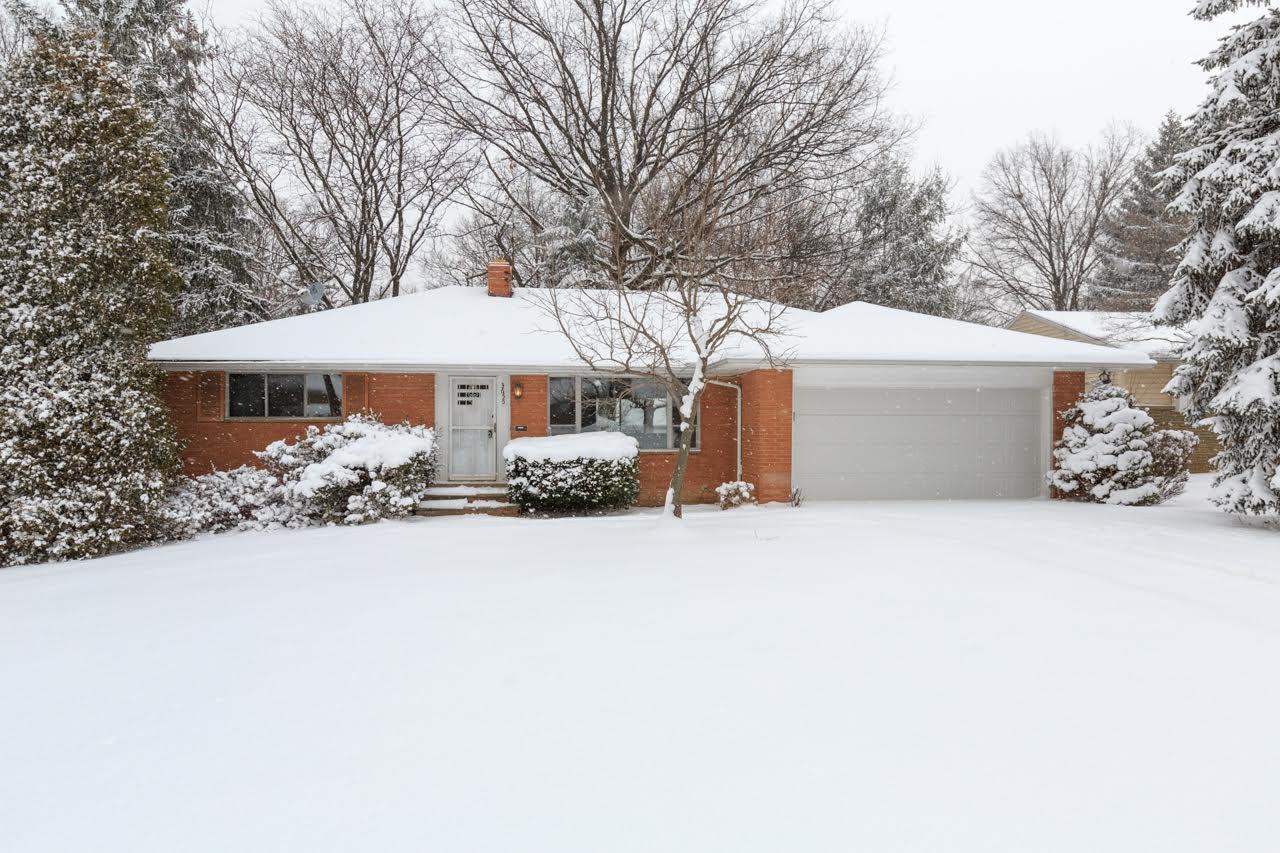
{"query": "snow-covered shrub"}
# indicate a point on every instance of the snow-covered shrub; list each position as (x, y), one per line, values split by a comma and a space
(736, 493)
(86, 448)
(1171, 451)
(352, 472)
(356, 471)
(573, 473)
(244, 498)
(1106, 454)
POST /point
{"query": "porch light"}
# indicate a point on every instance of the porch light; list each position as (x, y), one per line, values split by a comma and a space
(517, 390)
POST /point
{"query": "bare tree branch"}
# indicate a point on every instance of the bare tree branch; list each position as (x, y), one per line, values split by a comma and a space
(653, 152)
(329, 117)
(1039, 215)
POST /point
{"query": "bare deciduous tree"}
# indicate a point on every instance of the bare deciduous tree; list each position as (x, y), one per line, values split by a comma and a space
(1039, 215)
(684, 130)
(328, 116)
(15, 35)
(545, 236)
(685, 330)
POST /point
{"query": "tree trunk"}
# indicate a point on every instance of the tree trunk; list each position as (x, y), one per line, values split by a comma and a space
(675, 499)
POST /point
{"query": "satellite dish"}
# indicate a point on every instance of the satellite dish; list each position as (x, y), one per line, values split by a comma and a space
(314, 294)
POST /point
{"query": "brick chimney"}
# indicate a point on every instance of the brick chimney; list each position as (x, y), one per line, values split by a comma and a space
(499, 277)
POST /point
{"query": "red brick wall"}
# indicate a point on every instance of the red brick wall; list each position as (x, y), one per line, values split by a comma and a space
(530, 411)
(766, 433)
(1067, 388)
(196, 403)
(395, 397)
(713, 463)
(213, 442)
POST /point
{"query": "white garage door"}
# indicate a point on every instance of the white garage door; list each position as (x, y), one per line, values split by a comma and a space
(917, 443)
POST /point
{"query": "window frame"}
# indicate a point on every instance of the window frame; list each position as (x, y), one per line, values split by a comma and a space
(266, 397)
(672, 444)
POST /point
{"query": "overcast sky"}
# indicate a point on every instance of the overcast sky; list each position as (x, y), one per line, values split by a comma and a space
(981, 74)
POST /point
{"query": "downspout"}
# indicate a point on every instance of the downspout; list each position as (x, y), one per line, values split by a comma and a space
(738, 443)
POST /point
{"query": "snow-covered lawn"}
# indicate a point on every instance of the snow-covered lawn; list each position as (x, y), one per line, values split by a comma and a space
(1023, 676)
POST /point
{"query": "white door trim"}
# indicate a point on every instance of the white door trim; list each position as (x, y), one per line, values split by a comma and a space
(450, 409)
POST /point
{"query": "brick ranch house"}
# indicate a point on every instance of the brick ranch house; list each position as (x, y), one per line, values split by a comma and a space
(872, 402)
(1135, 331)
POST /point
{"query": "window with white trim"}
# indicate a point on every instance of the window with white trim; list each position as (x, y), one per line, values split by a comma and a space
(284, 395)
(637, 407)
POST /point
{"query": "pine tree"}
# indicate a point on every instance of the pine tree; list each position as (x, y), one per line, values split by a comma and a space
(85, 284)
(902, 245)
(887, 240)
(163, 51)
(1138, 256)
(1108, 451)
(1228, 282)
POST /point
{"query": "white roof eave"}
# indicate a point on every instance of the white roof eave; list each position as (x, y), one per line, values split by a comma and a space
(1085, 337)
(365, 367)
(1162, 356)
(1052, 365)
(725, 364)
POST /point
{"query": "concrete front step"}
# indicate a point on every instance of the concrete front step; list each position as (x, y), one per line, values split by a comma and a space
(506, 511)
(468, 490)
(469, 499)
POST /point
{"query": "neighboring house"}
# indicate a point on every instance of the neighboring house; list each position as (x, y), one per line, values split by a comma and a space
(871, 402)
(1130, 330)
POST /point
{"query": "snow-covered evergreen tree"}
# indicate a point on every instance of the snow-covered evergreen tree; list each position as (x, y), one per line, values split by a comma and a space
(1138, 253)
(1228, 282)
(163, 51)
(1106, 454)
(85, 287)
(895, 247)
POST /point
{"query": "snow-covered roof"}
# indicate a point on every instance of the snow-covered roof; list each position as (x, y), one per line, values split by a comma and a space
(463, 327)
(862, 332)
(449, 326)
(1125, 329)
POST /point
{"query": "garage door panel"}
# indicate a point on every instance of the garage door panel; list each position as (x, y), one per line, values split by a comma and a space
(1007, 429)
(997, 458)
(889, 401)
(1009, 402)
(918, 443)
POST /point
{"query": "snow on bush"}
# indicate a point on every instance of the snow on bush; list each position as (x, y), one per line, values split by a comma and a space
(356, 471)
(609, 446)
(735, 494)
(244, 498)
(1171, 451)
(86, 448)
(573, 473)
(353, 472)
(1107, 453)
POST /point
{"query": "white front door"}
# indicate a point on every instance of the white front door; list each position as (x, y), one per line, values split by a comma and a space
(472, 424)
